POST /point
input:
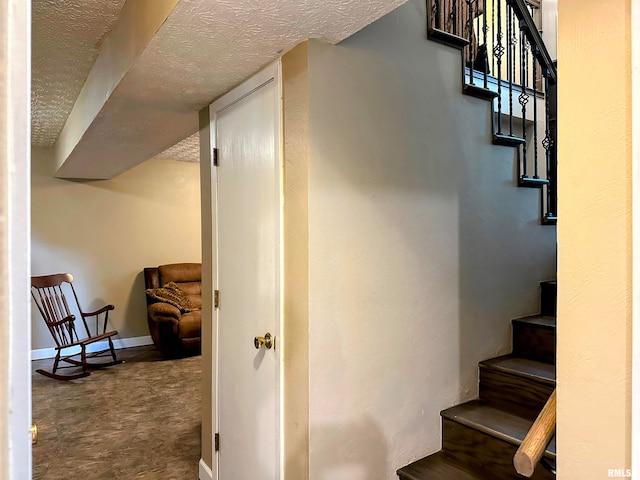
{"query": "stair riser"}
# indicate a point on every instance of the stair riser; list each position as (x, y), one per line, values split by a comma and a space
(534, 342)
(519, 395)
(436, 467)
(479, 451)
(548, 298)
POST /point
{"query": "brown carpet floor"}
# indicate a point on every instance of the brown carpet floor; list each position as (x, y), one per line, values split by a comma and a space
(137, 420)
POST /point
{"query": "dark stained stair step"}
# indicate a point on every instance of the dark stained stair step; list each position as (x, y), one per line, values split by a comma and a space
(506, 426)
(507, 140)
(438, 467)
(531, 182)
(534, 338)
(447, 38)
(484, 439)
(479, 92)
(516, 385)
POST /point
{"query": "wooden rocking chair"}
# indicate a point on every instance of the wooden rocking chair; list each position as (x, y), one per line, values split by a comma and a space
(50, 294)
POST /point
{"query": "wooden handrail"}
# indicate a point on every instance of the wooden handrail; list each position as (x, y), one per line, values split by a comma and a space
(535, 442)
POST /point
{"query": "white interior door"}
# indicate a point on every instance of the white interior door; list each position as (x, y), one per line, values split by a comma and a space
(246, 133)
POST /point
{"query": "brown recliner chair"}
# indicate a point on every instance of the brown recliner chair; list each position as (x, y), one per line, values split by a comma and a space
(174, 332)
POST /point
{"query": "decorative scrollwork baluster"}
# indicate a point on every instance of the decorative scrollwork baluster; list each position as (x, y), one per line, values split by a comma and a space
(523, 99)
(435, 11)
(513, 41)
(498, 52)
(494, 34)
(453, 17)
(548, 145)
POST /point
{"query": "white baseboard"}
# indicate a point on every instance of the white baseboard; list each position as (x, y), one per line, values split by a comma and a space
(118, 343)
(204, 472)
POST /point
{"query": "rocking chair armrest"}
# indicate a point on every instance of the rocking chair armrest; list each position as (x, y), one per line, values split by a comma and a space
(164, 312)
(68, 318)
(106, 308)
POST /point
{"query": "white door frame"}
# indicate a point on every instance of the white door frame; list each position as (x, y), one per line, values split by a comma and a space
(271, 73)
(15, 258)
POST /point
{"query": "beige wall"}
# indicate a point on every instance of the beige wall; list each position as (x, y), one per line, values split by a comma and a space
(106, 232)
(594, 238)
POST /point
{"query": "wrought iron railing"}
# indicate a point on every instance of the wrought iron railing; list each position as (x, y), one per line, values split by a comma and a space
(505, 60)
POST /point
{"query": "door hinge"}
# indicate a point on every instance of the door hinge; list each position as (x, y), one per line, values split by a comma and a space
(216, 441)
(216, 298)
(215, 157)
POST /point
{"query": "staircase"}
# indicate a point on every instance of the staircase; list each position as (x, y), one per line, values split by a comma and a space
(480, 438)
(505, 62)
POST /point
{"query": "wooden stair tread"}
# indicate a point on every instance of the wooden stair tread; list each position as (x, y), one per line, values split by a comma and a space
(436, 467)
(478, 91)
(530, 182)
(538, 320)
(496, 423)
(523, 367)
(446, 38)
(507, 140)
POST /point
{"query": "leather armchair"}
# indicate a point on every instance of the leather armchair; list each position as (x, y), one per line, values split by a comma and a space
(175, 333)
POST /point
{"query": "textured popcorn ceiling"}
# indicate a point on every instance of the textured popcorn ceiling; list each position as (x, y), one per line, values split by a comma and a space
(206, 47)
(203, 49)
(188, 150)
(66, 42)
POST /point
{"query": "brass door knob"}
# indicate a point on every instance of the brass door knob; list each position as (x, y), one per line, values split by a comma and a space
(263, 342)
(34, 434)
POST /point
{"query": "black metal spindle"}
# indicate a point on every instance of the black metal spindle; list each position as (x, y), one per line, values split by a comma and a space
(436, 11)
(510, 65)
(477, 30)
(499, 52)
(523, 99)
(454, 16)
(494, 32)
(547, 143)
(471, 47)
(485, 29)
(535, 113)
(532, 10)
